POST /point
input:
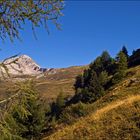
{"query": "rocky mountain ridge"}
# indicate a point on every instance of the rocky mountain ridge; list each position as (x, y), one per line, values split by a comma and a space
(21, 65)
(24, 66)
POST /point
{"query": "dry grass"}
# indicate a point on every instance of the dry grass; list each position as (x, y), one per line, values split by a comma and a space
(116, 116)
(93, 124)
(114, 105)
(62, 81)
(51, 85)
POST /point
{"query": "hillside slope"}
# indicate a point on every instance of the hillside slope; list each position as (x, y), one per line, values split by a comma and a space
(115, 116)
(62, 80)
(49, 85)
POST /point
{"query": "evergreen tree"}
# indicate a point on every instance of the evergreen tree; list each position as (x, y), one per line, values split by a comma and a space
(97, 65)
(60, 101)
(124, 50)
(105, 59)
(95, 87)
(85, 96)
(56, 107)
(122, 63)
(103, 78)
(26, 117)
(93, 90)
(15, 13)
(120, 68)
(102, 63)
(86, 77)
(111, 67)
(90, 86)
(134, 59)
(79, 82)
(106, 62)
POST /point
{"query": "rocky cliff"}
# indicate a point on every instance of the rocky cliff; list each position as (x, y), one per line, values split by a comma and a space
(21, 65)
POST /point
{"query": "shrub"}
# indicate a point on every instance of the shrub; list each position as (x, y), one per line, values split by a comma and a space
(73, 112)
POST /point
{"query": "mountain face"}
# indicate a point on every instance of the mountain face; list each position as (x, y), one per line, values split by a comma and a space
(24, 65)
(21, 65)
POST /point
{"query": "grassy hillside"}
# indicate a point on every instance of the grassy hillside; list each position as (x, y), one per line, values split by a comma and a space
(50, 85)
(61, 81)
(114, 116)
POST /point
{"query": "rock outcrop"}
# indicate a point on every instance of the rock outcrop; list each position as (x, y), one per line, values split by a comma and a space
(21, 65)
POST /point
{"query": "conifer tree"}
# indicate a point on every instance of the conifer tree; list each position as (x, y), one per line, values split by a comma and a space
(15, 13)
(134, 59)
(97, 65)
(86, 77)
(120, 68)
(103, 78)
(93, 90)
(95, 87)
(56, 107)
(60, 101)
(79, 82)
(124, 50)
(105, 58)
(122, 63)
(102, 63)
(106, 62)
(25, 118)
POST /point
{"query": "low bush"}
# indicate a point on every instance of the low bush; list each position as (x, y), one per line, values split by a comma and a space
(73, 112)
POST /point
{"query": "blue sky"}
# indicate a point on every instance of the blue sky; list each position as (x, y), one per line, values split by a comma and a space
(88, 28)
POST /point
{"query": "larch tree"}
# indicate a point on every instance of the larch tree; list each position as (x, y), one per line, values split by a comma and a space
(15, 13)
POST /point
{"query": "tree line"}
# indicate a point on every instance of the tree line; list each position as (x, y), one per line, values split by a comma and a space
(102, 73)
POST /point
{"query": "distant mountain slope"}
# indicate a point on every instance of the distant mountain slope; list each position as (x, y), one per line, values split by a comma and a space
(58, 80)
(51, 83)
(116, 116)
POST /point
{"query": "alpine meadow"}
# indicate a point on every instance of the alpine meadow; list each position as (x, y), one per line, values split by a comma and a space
(69, 70)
